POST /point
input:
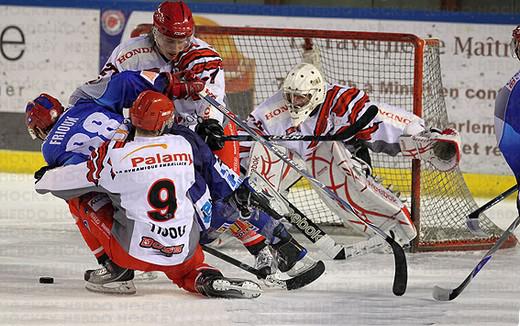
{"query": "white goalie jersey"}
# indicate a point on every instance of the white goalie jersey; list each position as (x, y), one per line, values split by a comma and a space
(330, 162)
(341, 108)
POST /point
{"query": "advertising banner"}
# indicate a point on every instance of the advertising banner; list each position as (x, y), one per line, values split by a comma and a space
(55, 49)
(475, 61)
(45, 50)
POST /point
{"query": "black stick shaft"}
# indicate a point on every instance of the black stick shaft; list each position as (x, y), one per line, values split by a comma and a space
(492, 202)
(233, 261)
(362, 122)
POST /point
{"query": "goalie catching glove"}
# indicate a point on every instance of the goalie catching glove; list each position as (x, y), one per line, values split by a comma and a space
(439, 148)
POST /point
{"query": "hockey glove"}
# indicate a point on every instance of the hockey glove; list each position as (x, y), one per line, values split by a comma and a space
(212, 132)
(39, 174)
(184, 85)
(245, 198)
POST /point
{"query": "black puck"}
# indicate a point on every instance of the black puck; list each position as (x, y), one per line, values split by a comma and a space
(46, 280)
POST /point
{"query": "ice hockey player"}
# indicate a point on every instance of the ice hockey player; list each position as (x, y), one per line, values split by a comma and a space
(507, 111)
(95, 117)
(307, 105)
(162, 187)
(172, 47)
(69, 136)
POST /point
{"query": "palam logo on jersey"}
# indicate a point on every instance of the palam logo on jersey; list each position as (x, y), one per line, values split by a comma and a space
(139, 160)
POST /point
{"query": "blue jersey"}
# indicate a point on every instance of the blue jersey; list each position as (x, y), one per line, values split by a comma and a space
(95, 113)
(507, 123)
(79, 131)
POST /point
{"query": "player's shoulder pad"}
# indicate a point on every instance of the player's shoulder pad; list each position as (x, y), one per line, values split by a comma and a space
(133, 47)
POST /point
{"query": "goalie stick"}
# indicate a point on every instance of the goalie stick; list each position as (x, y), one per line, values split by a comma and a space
(279, 207)
(472, 221)
(293, 283)
(401, 270)
(276, 205)
(369, 115)
(442, 294)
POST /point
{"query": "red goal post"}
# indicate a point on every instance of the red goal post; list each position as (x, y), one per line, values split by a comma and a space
(399, 69)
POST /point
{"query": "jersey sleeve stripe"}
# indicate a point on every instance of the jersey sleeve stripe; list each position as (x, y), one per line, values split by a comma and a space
(366, 134)
(341, 106)
(323, 117)
(196, 55)
(91, 168)
(358, 107)
(99, 160)
(206, 66)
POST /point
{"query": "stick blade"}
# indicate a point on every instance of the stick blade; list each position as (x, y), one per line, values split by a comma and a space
(474, 227)
(401, 268)
(307, 277)
(442, 294)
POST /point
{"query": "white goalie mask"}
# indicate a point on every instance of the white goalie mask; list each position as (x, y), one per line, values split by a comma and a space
(303, 90)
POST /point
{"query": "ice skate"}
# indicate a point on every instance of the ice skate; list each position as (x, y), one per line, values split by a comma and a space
(213, 284)
(292, 258)
(264, 261)
(110, 279)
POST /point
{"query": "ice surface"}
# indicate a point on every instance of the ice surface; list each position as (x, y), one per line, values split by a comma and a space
(38, 238)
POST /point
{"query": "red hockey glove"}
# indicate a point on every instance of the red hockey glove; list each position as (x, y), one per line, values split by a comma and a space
(183, 85)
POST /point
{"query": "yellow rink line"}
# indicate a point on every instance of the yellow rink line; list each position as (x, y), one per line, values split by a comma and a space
(480, 185)
(20, 161)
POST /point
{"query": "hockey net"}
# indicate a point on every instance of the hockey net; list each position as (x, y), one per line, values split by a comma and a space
(399, 69)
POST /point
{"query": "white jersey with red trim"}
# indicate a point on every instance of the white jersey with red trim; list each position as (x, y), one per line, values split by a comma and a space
(161, 187)
(341, 108)
(140, 53)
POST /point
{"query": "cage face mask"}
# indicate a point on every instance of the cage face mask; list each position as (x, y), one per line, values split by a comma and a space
(303, 90)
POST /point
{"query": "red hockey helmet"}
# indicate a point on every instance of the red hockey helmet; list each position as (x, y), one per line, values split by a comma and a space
(173, 28)
(515, 42)
(151, 111)
(174, 19)
(41, 114)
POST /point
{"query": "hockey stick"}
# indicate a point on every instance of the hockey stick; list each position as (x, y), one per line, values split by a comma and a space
(279, 207)
(401, 270)
(472, 220)
(294, 283)
(443, 294)
(348, 133)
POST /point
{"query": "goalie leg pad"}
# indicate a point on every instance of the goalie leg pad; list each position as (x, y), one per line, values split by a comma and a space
(350, 179)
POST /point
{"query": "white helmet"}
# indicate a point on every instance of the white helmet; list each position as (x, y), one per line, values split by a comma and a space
(303, 90)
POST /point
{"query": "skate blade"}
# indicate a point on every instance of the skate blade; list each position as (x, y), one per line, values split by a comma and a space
(240, 289)
(145, 276)
(126, 287)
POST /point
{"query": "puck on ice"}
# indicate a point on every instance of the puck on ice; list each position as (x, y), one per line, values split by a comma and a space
(46, 280)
